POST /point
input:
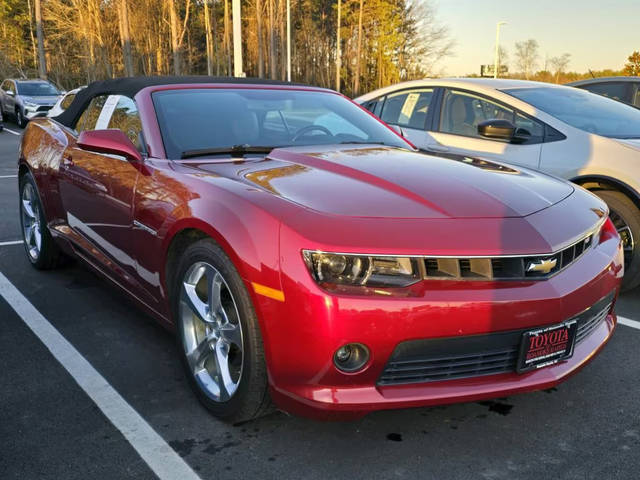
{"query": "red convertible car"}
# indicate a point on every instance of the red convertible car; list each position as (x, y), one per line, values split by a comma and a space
(306, 254)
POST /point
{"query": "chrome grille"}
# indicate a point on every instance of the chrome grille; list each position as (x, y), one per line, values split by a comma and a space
(438, 359)
(530, 267)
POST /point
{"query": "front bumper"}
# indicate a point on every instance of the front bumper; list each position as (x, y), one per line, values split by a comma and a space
(302, 333)
(32, 112)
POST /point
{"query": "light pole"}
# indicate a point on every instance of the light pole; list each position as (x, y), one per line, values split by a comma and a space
(338, 53)
(237, 39)
(288, 41)
(495, 61)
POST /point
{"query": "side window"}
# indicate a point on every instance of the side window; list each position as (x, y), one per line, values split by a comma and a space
(615, 90)
(528, 126)
(5, 85)
(462, 112)
(66, 101)
(89, 117)
(408, 109)
(636, 95)
(125, 117)
(374, 106)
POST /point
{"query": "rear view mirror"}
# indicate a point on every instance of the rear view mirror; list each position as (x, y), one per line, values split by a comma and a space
(112, 141)
(11, 93)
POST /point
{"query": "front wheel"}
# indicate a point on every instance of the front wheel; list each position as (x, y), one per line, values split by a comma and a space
(41, 249)
(218, 336)
(21, 121)
(626, 218)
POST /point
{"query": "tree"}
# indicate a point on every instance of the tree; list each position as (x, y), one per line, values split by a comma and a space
(632, 67)
(356, 85)
(177, 34)
(125, 38)
(42, 61)
(560, 64)
(208, 36)
(527, 56)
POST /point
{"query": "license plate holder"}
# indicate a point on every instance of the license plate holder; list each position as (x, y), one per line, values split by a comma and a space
(545, 346)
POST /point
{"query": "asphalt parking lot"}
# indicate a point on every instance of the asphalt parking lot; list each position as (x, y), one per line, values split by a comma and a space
(588, 427)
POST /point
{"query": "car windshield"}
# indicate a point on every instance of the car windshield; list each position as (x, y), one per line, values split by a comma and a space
(584, 110)
(214, 120)
(36, 89)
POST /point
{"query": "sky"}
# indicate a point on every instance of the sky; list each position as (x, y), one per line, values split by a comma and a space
(598, 34)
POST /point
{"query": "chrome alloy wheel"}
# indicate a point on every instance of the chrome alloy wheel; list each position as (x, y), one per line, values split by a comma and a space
(31, 228)
(624, 230)
(211, 331)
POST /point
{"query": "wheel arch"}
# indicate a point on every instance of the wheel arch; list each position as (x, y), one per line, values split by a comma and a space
(604, 182)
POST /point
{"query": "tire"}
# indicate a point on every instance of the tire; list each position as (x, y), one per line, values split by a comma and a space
(43, 254)
(626, 218)
(20, 120)
(246, 397)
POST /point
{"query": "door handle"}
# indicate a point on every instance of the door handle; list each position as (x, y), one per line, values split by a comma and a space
(67, 161)
(437, 148)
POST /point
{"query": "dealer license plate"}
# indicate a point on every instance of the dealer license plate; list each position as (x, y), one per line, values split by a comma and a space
(548, 345)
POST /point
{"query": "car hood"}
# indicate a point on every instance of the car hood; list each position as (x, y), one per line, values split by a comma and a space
(388, 182)
(44, 100)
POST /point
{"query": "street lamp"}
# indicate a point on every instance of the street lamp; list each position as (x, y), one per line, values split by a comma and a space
(495, 62)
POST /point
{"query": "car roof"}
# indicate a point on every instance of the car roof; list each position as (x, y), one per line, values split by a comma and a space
(130, 86)
(591, 81)
(478, 84)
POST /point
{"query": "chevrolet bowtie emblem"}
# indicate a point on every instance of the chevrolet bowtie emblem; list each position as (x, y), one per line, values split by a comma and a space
(542, 265)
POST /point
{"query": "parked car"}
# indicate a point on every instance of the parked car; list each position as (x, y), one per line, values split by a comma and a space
(305, 252)
(623, 89)
(571, 133)
(26, 99)
(63, 102)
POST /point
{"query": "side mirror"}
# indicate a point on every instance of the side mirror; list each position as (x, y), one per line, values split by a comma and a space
(397, 129)
(112, 141)
(11, 93)
(498, 129)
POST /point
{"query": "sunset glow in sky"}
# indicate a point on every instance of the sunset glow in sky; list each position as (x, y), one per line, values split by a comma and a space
(598, 34)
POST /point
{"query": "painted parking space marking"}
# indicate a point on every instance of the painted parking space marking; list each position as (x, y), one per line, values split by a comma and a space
(151, 447)
(13, 242)
(8, 176)
(11, 131)
(628, 322)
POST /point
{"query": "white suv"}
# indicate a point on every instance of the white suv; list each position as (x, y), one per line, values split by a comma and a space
(586, 138)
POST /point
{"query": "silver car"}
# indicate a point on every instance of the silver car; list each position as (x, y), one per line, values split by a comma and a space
(26, 99)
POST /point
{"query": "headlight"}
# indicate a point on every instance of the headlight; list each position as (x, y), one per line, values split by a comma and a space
(341, 269)
(30, 105)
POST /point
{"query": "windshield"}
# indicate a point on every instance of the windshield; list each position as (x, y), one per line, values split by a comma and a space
(37, 89)
(584, 110)
(216, 119)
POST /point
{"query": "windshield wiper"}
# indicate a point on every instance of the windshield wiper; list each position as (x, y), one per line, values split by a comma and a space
(358, 142)
(235, 150)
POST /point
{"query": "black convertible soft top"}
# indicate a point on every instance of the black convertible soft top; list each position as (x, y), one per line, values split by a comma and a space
(129, 86)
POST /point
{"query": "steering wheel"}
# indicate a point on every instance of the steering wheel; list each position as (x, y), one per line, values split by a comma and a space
(310, 128)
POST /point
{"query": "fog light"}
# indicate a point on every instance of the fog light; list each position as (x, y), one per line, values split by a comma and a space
(351, 357)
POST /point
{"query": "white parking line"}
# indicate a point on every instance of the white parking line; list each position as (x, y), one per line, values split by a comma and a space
(13, 242)
(151, 447)
(8, 176)
(11, 131)
(628, 322)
